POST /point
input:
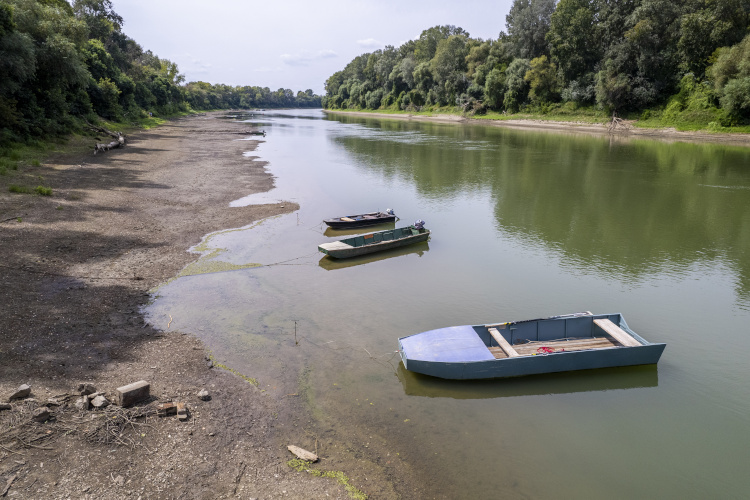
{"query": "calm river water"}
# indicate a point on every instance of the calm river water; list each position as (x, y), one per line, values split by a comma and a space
(524, 224)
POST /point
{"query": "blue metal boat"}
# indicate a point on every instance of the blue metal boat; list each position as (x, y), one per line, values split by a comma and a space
(376, 242)
(578, 341)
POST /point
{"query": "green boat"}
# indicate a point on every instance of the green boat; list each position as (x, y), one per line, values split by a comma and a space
(375, 242)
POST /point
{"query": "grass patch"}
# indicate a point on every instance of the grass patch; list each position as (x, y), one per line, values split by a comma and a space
(304, 466)
(44, 191)
(15, 188)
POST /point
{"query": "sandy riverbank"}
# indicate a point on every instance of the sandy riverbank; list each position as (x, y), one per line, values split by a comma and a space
(625, 131)
(76, 271)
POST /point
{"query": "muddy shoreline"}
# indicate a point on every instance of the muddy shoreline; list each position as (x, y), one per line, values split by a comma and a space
(76, 272)
(623, 132)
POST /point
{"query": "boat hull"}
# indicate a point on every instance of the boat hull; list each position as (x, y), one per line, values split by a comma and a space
(343, 250)
(341, 224)
(360, 220)
(468, 363)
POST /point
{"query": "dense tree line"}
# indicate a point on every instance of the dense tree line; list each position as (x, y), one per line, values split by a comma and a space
(691, 56)
(63, 62)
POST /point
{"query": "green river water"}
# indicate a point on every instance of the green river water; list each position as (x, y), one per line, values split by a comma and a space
(524, 224)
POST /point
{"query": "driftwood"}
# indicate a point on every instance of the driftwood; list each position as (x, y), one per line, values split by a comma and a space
(616, 123)
(119, 142)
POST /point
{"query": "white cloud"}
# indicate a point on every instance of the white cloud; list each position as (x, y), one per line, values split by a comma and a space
(370, 43)
(305, 57)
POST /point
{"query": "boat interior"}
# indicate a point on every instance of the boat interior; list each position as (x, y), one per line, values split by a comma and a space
(547, 337)
(370, 239)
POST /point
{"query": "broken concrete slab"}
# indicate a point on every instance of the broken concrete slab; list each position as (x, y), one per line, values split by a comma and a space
(41, 414)
(133, 393)
(85, 389)
(22, 392)
(83, 403)
(100, 402)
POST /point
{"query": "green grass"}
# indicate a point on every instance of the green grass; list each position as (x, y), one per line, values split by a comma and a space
(15, 188)
(44, 191)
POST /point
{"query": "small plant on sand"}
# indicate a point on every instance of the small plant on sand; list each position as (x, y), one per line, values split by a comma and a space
(44, 191)
(15, 188)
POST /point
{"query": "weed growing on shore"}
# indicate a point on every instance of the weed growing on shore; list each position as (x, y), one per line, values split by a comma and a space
(15, 188)
(303, 465)
(250, 380)
(44, 191)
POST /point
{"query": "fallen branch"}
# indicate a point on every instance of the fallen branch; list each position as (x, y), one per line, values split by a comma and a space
(7, 486)
(617, 122)
(112, 145)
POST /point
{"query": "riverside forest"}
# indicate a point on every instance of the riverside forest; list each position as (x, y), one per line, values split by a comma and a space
(683, 64)
(64, 64)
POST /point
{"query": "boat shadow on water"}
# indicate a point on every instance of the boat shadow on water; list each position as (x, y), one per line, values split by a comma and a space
(602, 379)
(329, 263)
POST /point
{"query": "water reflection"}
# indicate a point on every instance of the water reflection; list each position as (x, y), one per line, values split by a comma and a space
(604, 379)
(619, 210)
(329, 264)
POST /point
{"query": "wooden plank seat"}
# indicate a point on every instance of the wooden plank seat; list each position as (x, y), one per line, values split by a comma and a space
(504, 344)
(578, 344)
(616, 332)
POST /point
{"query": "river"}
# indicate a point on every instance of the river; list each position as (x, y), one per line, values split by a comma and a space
(524, 224)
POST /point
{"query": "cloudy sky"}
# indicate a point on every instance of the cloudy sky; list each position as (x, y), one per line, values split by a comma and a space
(293, 44)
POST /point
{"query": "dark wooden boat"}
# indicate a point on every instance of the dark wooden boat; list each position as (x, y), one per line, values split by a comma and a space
(569, 342)
(361, 220)
(375, 242)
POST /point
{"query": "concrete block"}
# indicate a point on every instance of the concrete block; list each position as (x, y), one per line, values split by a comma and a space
(133, 393)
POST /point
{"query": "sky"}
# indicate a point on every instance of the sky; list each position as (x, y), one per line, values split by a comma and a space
(290, 44)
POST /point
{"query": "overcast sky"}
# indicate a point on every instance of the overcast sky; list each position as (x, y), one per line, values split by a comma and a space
(294, 44)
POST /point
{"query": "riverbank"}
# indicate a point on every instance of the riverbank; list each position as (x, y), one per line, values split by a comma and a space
(625, 130)
(77, 270)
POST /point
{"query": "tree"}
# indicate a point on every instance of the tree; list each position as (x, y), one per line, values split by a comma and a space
(517, 86)
(494, 89)
(574, 38)
(731, 77)
(542, 79)
(99, 16)
(426, 46)
(528, 22)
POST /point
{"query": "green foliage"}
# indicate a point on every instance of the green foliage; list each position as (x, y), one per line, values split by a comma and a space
(44, 191)
(731, 77)
(542, 78)
(516, 84)
(528, 23)
(14, 188)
